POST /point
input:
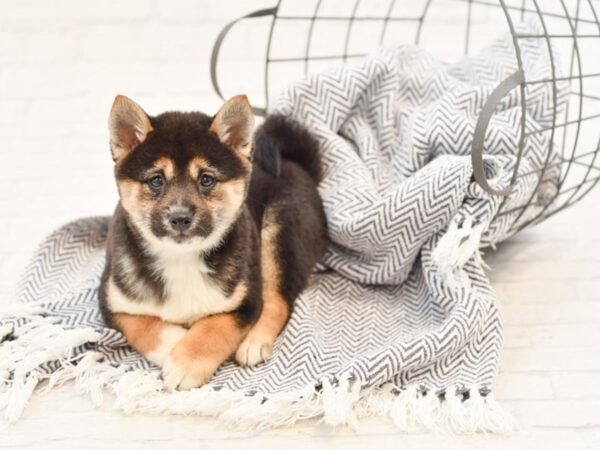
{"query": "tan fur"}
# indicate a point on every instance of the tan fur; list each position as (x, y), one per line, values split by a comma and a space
(149, 335)
(258, 345)
(228, 196)
(234, 124)
(190, 320)
(136, 200)
(198, 165)
(207, 344)
(191, 297)
(239, 292)
(225, 201)
(128, 126)
(142, 332)
(131, 197)
(167, 167)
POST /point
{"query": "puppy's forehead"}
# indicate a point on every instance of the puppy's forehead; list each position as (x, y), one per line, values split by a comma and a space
(166, 165)
(193, 159)
(198, 164)
(181, 144)
(175, 159)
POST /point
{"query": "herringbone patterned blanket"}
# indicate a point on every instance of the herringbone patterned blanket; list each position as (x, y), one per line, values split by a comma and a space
(400, 321)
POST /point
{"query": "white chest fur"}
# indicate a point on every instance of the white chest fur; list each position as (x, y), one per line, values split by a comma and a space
(190, 293)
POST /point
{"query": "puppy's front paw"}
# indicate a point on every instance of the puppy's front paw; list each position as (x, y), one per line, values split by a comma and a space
(254, 350)
(170, 336)
(184, 373)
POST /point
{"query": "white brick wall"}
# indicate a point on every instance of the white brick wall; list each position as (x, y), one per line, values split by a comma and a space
(61, 63)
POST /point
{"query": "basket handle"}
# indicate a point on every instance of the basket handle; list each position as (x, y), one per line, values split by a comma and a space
(214, 58)
(514, 80)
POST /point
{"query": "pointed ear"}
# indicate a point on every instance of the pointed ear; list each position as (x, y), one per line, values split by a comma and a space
(234, 124)
(128, 125)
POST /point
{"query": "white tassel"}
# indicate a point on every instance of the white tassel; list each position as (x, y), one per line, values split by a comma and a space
(455, 248)
(428, 411)
(495, 418)
(337, 402)
(38, 342)
(18, 396)
(454, 413)
(403, 411)
(376, 402)
(91, 377)
(20, 310)
(413, 411)
(283, 409)
(132, 387)
(135, 390)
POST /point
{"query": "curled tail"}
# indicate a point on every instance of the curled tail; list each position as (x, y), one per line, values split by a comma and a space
(281, 137)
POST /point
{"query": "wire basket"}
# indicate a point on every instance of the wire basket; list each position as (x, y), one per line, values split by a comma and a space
(300, 37)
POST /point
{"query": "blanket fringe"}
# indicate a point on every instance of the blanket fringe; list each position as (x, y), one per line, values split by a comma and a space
(28, 347)
(455, 411)
(336, 400)
(458, 244)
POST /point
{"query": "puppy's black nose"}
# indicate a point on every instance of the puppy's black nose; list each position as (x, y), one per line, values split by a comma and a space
(181, 220)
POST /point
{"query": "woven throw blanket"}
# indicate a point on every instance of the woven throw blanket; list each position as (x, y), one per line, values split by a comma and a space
(399, 321)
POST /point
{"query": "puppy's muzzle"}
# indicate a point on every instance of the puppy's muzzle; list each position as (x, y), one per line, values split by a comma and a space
(180, 221)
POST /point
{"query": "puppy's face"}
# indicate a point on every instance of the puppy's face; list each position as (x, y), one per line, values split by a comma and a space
(182, 177)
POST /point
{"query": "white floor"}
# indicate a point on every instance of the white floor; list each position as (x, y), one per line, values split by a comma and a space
(548, 280)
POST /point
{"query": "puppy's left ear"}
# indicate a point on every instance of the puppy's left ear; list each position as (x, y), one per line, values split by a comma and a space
(234, 124)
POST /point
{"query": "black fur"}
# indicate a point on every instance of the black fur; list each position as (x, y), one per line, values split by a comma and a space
(285, 171)
(282, 137)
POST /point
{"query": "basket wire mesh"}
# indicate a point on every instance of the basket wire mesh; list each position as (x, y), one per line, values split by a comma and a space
(302, 37)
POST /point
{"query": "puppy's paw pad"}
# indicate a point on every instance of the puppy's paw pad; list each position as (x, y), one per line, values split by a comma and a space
(253, 351)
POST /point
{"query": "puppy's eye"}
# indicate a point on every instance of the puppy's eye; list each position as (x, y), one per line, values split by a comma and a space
(207, 181)
(156, 182)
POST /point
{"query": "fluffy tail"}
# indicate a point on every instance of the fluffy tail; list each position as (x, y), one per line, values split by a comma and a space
(281, 137)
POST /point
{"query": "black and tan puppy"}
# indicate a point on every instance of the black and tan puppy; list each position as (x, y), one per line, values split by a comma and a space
(215, 235)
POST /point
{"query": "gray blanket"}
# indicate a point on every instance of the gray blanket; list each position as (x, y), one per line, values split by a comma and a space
(400, 320)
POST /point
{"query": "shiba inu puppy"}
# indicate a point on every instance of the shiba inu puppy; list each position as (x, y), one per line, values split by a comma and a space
(216, 233)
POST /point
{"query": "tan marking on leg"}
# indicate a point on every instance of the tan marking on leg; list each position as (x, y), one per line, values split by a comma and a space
(207, 344)
(149, 335)
(258, 345)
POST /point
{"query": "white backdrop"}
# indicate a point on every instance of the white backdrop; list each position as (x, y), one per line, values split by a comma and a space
(61, 64)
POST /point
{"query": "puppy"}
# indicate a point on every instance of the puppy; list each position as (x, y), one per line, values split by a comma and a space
(215, 235)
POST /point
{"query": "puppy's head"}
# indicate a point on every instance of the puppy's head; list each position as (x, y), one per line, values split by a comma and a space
(182, 177)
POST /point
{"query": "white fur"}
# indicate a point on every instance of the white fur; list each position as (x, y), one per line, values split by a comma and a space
(173, 374)
(168, 248)
(169, 337)
(185, 375)
(190, 293)
(253, 350)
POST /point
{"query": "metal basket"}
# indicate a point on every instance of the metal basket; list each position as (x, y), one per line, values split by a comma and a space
(354, 27)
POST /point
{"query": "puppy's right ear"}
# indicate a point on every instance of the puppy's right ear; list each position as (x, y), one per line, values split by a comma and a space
(128, 125)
